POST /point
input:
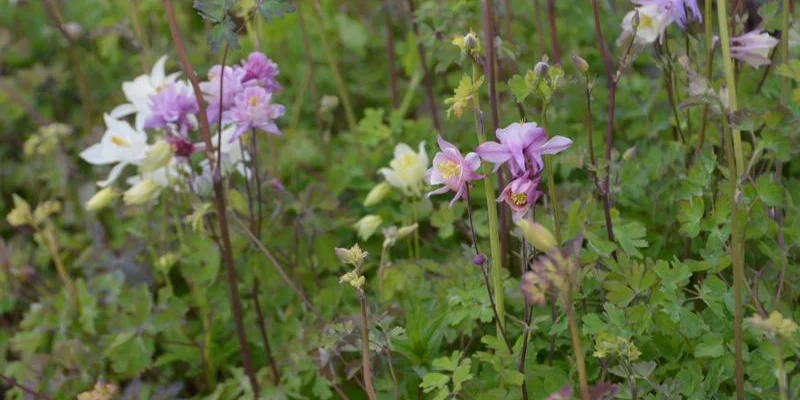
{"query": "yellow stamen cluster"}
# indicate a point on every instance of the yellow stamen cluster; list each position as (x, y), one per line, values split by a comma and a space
(253, 101)
(449, 169)
(519, 199)
(119, 141)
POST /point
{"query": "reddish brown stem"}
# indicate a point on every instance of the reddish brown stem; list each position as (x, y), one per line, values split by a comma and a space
(262, 327)
(537, 7)
(427, 76)
(551, 19)
(13, 383)
(219, 199)
(612, 96)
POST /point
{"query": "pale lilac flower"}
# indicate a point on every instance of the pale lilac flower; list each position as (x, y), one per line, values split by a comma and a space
(231, 86)
(453, 170)
(253, 109)
(753, 47)
(260, 69)
(521, 194)
(519, 145)
(138, 93)
(174, 105)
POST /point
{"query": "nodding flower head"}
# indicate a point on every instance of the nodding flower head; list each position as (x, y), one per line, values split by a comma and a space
(753, 47)
(259, 69)
(521, 194)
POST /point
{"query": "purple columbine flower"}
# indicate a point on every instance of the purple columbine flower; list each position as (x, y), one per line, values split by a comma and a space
(453, 170)
(521, 194)
(519, 145)
(753, 47)
(253, 109)
(677, 8)
(260, 69)
(231, 86)
(174, 105)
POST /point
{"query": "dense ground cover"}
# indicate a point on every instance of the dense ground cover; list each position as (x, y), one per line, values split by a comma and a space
(496, 199)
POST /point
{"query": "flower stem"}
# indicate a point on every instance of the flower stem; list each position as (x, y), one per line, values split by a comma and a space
(366, 368)
(428, 79)
(737, 256)
(52, 246)
(709, 62)
(551, 184)
(577, 348)
(27, 390)
(730, 81)
(780, 372)
(551, 19)
(491, 205)
(219, 200)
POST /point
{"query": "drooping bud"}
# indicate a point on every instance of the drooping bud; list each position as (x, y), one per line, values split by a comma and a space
(537, 234)
(158, 156)
(479, 260)
(367, 226)
(377, 194)
(102, 199)
(542, 69)
(142, 192)
(581, 64)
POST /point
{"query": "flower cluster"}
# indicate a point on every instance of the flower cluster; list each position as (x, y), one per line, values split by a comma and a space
(166, 108)
(521, 145)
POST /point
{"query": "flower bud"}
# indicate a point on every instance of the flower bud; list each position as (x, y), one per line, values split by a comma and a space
(581, 64)
(629, 154)
(21, 214)
(405, 231)
(537, 234)
(479, 260)
(635, 20)
(367, 226)
(470, 41)
(541, 69)
(328, 104)
(142, 192)
(101, 199)
(158, 156)
(353, 256)
(377, 194)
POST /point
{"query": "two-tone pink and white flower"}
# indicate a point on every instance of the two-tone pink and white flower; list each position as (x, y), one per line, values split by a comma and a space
(453, 170)
(753, 47)
(522, 146)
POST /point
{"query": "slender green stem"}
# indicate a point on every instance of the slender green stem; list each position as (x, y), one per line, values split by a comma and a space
(577, 348)
(144, 58)
(709, 59)
(551, 185)
(365, 365)
(730, 81)
(780, 372)
(785, 83)
(737, 256)
(491, 205)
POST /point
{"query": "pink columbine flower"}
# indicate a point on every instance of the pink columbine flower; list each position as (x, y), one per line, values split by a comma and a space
(753, 47)
(520, 144)
(253, 109)
(521, 194)
(453, 170)
(174, 105)
(262, 71)
(232, 85)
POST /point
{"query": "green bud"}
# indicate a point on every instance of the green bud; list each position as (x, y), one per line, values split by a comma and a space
(158, 156)
(538, 235)
(101, 199)
(142, 192)
(377, 194)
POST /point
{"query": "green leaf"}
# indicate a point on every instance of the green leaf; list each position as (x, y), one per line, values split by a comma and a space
(434, 380)
(769, 192)
(223, 33)
(270, 9)
(354, 36)
(630, 236)
(88, 305)
(213, 10)
(710, 347)
(689, 215)
(519, 88)
(671, 278)
(461, 374)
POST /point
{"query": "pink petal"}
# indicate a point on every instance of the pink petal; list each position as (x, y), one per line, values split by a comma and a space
(444, 145)
(459, 194)
(555, 145)
(494, 152)
(440, 190)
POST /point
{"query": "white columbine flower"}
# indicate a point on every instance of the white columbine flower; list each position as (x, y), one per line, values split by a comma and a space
(139, 90)
(121, 144)
(753, 47)
(407, 170)
(654, 18)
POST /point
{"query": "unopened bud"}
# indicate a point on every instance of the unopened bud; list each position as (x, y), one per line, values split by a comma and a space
(377, 194)
(405, 231)
(537, 234)
(629, 154)
(158, 156)
(101, 199)
(635, 20)
(142, 192)
(479, 260)
(581, 64)
(470, 41)
(542, 69)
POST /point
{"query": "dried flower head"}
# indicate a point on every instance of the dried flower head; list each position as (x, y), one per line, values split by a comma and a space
(353, 256)
(775, 326)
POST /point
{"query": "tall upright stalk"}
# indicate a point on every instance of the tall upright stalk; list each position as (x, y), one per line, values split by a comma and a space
(427, 78)
(612, 96)
(577, 348)
(365, 365)
(709, 59)
(551, 21)
(490, 70)
(551, 184)
(491, 205)
(390, 58)
(219, 199)
(733, 143)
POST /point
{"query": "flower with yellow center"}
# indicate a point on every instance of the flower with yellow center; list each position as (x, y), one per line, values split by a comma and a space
(407, 170)
(121, 145)
(449, 169)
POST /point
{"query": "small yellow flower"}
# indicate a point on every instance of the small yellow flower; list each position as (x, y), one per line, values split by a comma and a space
(407, 170)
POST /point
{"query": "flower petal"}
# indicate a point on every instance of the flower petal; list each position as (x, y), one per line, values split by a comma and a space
(555, 145)
(122, 110)
(493, 152)
(96, 154)
(113, 175)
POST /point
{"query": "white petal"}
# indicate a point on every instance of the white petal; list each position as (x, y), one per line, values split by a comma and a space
(122, 110)
(157, 74)
(113, 175)
(96, 154)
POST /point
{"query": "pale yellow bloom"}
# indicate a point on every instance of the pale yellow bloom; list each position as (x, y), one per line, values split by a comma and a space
(407, 170)
(377, 194)
(142, 192)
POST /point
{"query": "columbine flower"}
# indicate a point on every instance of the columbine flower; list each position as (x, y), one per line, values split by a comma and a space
(231, 86)
(753, 47)
(121, 144)
(407, 169)
(262, 70)
(518, 141)
(520, 194)
(175, 105)
(453, 170)
(647, 23)
(253, 109)
(139, 90)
